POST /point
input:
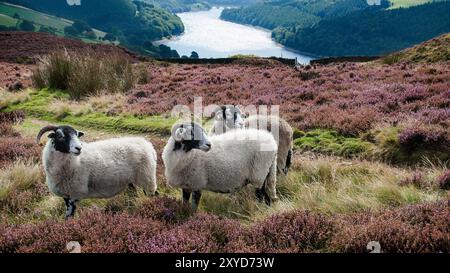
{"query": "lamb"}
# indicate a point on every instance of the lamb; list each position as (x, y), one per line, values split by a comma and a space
(229, 117)
(76, 170)
(223, 163)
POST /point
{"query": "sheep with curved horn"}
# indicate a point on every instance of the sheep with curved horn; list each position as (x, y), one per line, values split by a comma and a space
(77, 170)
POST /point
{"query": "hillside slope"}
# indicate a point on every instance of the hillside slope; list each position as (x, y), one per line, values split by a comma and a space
(370, 32)
(432, 51)
(132, 22)
(26, 47)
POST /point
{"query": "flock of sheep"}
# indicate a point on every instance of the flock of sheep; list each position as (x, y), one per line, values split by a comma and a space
(234, 154)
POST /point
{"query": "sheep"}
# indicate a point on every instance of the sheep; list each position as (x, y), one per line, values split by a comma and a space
(230, 117)
(226, 117)
(222, 163)
(76, 170)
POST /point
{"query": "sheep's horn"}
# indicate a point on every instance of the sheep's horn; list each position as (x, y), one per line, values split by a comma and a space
(45, 130)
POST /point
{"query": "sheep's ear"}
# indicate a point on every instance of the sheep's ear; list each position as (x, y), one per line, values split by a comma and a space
(179, 134)
(80, 134)
(51, 135)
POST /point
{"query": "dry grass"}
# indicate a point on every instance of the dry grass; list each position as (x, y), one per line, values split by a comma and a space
(330, 185)
(82, 75)
(10, 98)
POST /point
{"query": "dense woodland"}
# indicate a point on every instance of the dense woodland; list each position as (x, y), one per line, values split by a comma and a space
(370, 32)
(298, 13)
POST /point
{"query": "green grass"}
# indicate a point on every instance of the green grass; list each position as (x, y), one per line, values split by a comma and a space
(8, 21)
(407, 3)
(38, 105)
(330, 142)
(38, 18)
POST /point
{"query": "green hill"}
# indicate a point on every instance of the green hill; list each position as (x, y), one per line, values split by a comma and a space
(432, 51)
(132, 22)
(40, 20)
(370, 32)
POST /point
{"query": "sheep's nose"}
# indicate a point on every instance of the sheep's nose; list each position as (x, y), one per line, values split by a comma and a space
(78, 149)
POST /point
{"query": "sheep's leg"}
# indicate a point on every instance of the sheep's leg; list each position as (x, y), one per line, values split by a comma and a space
(186, 196)
(288, 161)
(196, 195)
(70, 207)
(270, 184)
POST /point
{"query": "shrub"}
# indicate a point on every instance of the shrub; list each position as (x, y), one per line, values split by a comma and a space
(83, 75)
(412, 229)
(427, 137)
(416, 179)
(164, 209)
(26, 25)
(444, 180)
(6, 130)
(13, 148)
(96, 232)
(298, 231)
(201, 234)
(12, 117)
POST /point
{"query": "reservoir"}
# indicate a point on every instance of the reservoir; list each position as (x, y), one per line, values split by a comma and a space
(212, 37)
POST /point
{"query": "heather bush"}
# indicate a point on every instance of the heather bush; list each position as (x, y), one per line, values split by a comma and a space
(416, 179)
(444, 180)
(424, 137)
(164, 209)
(412, 229)
(96, 232)
(6, 130)
(201, 234)
(12, 117)
(298, 231)
(83, 75)
(349, 99)
(13, 148)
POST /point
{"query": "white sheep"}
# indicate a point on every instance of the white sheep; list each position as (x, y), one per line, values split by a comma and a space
(224, 163)
(76, 170)
(230, 117)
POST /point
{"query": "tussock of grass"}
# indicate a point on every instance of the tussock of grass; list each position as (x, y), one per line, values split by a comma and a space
(21, 186)
(9, 98)
(81, 75)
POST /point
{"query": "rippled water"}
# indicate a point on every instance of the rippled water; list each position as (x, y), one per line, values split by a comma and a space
(212, 37)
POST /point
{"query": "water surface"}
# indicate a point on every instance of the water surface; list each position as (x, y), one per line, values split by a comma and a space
(212, 37)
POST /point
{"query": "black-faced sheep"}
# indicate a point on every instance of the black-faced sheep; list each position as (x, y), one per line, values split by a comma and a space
(229, 117)
(76, 170)
(223, 163)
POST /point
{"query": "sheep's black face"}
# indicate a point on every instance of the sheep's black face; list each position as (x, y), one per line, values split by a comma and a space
(230, 117)
(190, 136)
(65, 139)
